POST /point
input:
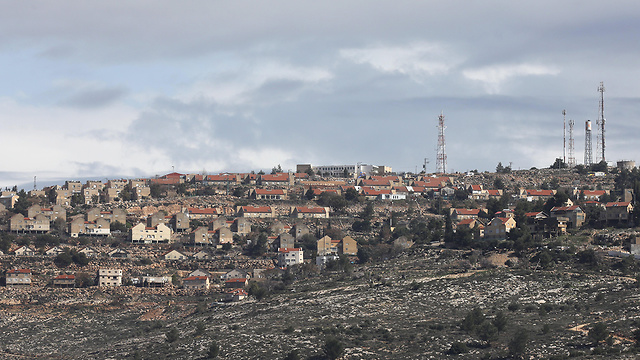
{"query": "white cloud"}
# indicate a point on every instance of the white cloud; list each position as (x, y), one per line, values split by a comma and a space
(493, 77)
(418, 60)
(236, 86)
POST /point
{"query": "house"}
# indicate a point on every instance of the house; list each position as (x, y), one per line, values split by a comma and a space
(279, 180)
(99, 227)
(255, 212)
(38, 224)
(142, 234)
(200, 272)
(54, 251)
(25, 251)
(241, 226)
(174, 255)
(591, 195)
(285, 240)
(159, 217)
(290, 256)
(18, 277)
(52, 213)
(535, 195)
(303, 212)
(9, 200)
(575, 215)
(618, 212)
(376, 184)
(119, 253)
(268, 194)
(225, 236)
(109, 277)
(203, 255)
(88, 252)
(64, 281)
(154, 281)
(111, 216)
(235, 274)
(223, 179)
(206, 213)
(462, 214)
(325, 246)
(202, 236)
(349, 246)
(322, 260)
(236, 295)
(180, 222)
(196, 283)
(236, 283)
(498, 227)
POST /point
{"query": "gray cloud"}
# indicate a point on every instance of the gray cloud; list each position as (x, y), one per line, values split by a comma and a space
(94, 98)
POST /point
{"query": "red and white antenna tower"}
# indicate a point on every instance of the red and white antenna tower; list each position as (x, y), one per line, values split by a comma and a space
(564, 136)
(572, 156)
(441, 162)
(600, 124)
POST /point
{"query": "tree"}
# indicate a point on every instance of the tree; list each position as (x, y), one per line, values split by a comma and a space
(292, 355)
(345, 173)
(22, 204)
(214, 350)
(598, 333)
(172, 335)
(117, 226)
(77, 199)
(332, 348)
(63, 260)
(351, 194)
(309, 195)
(500, 321)
(558, 164)
(276, 169)
(518, 343)
(498, 183)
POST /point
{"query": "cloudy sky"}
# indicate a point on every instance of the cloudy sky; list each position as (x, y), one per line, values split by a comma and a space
(138, 88)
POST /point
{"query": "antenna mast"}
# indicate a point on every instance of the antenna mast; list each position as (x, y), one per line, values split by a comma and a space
(600, 124)
(572, 157)
(441, 162)
(564, 136)
(588, 159)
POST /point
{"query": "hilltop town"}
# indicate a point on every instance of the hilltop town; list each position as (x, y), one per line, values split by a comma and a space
(181, 256)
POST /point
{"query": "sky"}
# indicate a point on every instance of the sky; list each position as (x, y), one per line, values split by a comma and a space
(102, 90)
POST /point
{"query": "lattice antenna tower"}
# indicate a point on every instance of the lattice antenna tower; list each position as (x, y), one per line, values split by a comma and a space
(441, 162)
(588, 158)
(572, 156)
(564, 136)
(600, 124)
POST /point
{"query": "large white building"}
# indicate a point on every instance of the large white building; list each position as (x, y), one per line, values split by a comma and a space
(290, 256)
(354, 170)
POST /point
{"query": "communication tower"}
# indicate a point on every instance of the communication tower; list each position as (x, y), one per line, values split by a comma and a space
(588, 159)
(564, 136)
(600, 124)
(572, 156)
(441, 160)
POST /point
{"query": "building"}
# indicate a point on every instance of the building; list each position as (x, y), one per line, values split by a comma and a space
(303, 212)
(255, 212)
(349, 246)
(268, 194)
(290, 256)
(109, 277)
(196, 283)
(100, 227)
(111, 216)
(64, 281)
(174, 255)
(18, 277)
(141, 234)
(38, 224)
(499, 227)
(618, 212)
(574, 214)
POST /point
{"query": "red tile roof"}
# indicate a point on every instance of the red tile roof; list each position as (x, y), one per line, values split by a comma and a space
(19, 271)
(64, 277)
(467, 211)
(310, 210)
(618, 204)
(269, 192)
(256, 209)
